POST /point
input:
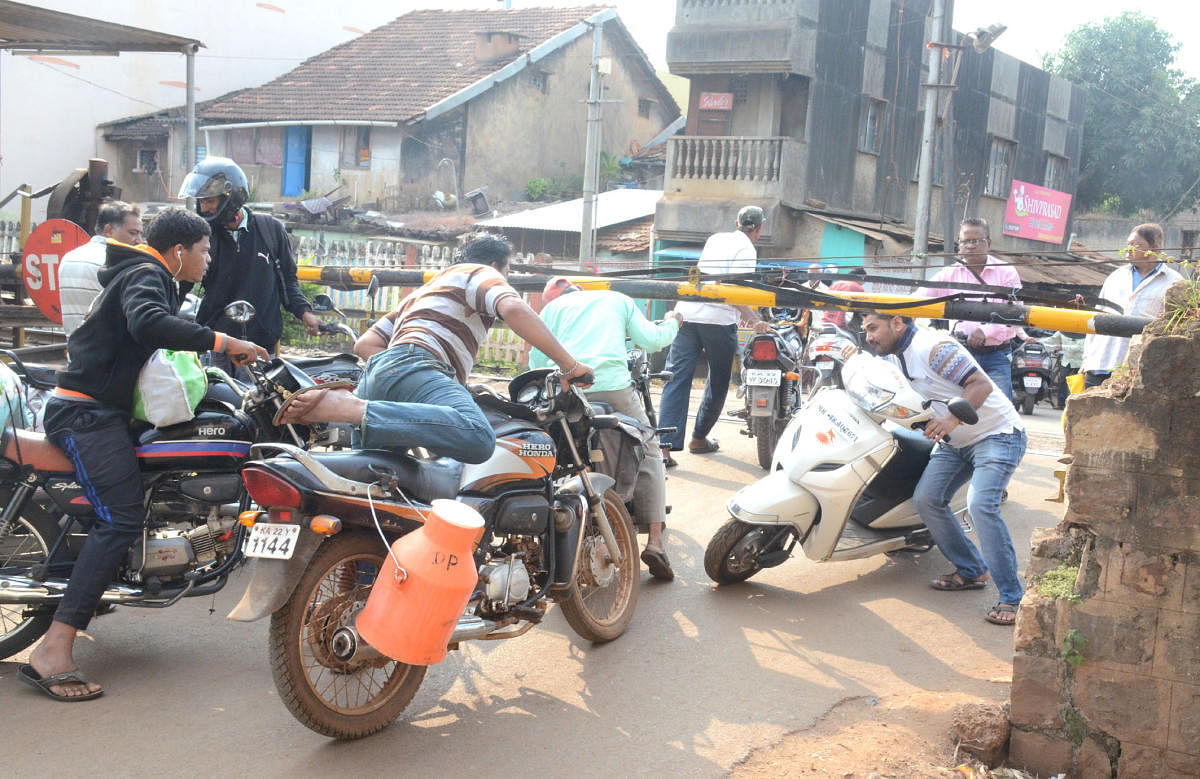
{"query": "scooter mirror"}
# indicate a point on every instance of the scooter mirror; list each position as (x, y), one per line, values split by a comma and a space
(322, 303)
(965, 412)
(240, 311)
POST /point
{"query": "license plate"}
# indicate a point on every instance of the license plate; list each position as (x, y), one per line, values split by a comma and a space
(823, 363)
(1032, 382)
(272, 540)
(758, 377)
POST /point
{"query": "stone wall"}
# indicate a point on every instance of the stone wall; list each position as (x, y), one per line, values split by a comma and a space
(1126, 701)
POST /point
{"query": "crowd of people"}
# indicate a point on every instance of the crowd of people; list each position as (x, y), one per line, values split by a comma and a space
(121, 298)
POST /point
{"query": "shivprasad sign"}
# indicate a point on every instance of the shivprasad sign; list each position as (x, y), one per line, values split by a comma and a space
(1036, 213)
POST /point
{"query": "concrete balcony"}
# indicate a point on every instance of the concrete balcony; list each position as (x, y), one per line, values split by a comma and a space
(726, 11)
(707, 176)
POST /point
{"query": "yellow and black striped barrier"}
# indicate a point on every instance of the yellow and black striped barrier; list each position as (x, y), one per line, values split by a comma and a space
(1016, 314)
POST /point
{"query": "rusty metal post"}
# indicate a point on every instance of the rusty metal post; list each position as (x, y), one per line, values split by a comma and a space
(26, 195)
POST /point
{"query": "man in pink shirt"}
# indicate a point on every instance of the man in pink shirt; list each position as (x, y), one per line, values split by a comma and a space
(989, 344)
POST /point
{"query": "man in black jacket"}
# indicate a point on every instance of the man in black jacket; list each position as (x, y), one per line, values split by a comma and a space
(88, 417)
(251, 257)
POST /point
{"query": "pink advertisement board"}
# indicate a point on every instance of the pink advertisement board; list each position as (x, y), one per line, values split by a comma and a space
(1036, 213)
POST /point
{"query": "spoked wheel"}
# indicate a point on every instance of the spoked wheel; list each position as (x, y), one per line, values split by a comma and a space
(606, 592)
(733, 553)
(24, 544)
(344, 699)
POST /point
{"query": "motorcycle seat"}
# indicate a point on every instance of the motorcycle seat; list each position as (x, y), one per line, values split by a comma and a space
(423, 480)
(41, 376)
(307, 363)
(26, 447)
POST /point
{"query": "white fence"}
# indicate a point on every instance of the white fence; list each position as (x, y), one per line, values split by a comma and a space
(396, 253)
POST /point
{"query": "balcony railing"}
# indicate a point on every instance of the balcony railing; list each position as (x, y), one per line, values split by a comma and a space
(730, 3)
(724, 158)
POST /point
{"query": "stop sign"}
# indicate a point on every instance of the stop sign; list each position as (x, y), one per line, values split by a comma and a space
(44, 249)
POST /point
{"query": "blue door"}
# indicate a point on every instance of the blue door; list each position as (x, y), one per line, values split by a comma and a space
(295, 160)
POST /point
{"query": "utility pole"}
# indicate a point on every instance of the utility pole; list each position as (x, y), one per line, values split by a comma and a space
(949, 163)
(925, 175)
(587, 237)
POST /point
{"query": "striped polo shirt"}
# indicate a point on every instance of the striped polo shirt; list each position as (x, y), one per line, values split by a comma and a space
(450, 315)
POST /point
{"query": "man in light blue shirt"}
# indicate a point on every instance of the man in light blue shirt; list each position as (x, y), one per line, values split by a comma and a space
(77, 282)
(593, 325)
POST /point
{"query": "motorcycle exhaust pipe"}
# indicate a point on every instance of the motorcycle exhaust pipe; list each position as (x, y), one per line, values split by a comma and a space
(349, 647)
(22, 589)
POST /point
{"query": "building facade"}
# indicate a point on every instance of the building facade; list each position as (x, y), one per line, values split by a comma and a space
(815, 108)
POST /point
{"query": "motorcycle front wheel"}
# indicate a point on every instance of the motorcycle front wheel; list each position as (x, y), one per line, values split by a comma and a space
(605, 592)
(733, 553)
(24, 545)
(343, 700)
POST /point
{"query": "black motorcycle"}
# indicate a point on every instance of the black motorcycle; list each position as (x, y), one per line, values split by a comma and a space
(770, 384)
(554, 532)
(191, 539)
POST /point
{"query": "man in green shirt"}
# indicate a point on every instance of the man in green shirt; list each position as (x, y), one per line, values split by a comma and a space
(593, 326)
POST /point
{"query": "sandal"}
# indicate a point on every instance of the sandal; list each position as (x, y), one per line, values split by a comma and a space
(952, 582)
(707, 446)
(1002, 614)
(670, 462)
(287, 403)
(43, 683)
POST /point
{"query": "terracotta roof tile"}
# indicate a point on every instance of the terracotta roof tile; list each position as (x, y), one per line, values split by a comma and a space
(396, 71)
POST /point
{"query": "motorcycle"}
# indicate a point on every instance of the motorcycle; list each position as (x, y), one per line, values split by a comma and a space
(770, 384)
(336, 367)
(1034, 375)
(842, 480)
(826, 344)
(553, 532)
(191, 539)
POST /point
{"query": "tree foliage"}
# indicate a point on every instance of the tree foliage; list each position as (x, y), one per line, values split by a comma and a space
(1140, 128)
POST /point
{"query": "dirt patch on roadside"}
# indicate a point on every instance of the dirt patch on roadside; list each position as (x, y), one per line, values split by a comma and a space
(908, 736)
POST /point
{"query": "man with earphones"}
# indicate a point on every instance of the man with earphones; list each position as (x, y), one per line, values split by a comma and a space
(88, 417)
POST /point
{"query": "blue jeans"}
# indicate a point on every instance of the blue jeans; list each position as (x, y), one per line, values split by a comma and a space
(998, 367)
(413, 399)
(719, 343)
(988, 465)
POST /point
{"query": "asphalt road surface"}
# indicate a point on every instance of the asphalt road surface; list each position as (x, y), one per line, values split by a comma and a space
(703, 676)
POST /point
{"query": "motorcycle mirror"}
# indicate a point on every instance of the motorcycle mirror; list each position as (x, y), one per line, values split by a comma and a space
(240, 311)
(372, 288)
(965, 412)
(322, 303)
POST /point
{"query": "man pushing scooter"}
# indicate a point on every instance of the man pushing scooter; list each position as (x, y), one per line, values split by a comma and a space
(985, 454)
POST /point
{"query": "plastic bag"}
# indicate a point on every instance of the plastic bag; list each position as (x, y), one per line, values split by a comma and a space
(13, 409)
(1075, 383)
(169, 388)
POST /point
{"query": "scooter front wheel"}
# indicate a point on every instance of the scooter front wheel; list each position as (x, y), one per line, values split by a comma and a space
(733, 555)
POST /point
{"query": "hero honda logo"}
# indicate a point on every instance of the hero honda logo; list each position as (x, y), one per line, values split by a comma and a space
(535, 450)
(211, 431)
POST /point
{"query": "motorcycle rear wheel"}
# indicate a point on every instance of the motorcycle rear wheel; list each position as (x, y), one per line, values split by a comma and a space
(732, 554)
(766, 435)
(327, 695)
(24, 545)
(1027, 403)
(605, 594)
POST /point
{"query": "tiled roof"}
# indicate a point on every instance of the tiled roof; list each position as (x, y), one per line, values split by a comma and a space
(155, 123)
(630, 238)
(396, 71)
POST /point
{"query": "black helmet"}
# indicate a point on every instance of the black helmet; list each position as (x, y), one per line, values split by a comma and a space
(217, 177)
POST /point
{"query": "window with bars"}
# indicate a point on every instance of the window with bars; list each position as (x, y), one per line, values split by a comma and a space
(539, 80)
(1000, 161)
(870, 124)
(356, 147)
(1056, 172)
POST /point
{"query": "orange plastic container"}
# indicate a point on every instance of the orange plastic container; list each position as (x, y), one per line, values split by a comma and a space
(412, 612)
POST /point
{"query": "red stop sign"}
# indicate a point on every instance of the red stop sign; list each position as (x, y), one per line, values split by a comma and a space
(44, 250)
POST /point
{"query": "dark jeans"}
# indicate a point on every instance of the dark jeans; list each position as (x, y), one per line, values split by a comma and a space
(998, 366)
(99, 443)
(719, 344)
(1095, 378)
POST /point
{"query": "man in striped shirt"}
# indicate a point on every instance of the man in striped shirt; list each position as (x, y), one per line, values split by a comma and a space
(412, 393)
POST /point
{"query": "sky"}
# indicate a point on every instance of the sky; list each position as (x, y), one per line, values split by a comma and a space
(1035, 27)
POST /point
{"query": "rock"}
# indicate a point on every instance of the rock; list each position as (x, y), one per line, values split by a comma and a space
(982, 730)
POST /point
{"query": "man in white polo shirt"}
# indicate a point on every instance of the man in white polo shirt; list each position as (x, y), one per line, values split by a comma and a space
(710, 328)
(986, 454)
(77, 282)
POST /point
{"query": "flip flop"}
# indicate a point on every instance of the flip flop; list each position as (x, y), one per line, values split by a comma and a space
(710, 445)
(994, 613)
(329, 385)
(670, 462)
(952, 582)
(43, 683)
(659, 565)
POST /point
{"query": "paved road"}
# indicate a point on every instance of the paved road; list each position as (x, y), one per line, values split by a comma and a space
(704, 674)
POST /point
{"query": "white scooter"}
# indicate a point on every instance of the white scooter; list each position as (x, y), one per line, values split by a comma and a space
(842, 478)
